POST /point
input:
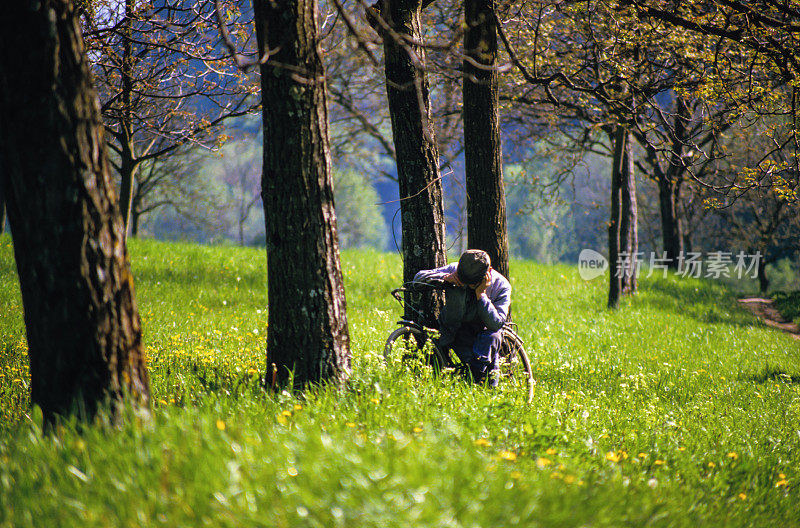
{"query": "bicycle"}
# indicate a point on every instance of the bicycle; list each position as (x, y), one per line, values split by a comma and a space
(413, 342)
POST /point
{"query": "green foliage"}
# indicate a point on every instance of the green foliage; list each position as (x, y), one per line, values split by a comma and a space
(358, 215)
(679, 409)
(537, 229)
(788, 304)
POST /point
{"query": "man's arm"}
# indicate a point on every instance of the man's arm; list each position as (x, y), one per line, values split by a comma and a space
(494, 312)
(435, 274)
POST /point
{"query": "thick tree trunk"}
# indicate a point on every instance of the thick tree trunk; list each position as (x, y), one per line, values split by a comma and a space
(308, 333)
(629, 226)
(415, 146)
(84, 335)
(486, 200)
(615, 222)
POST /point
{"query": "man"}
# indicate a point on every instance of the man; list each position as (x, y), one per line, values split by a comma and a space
(471, 322)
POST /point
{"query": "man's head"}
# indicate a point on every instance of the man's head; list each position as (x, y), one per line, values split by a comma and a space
(472, 266)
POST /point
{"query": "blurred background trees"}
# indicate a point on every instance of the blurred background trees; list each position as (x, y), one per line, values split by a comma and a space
(710, 77)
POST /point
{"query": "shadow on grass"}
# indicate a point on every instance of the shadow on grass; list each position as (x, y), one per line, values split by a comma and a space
(771, 374)
(707, 303)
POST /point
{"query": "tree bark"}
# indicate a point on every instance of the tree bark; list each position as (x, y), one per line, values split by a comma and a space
(486, 201)
(629, 226)
(414, 137)
(308, 333)
(83, 328)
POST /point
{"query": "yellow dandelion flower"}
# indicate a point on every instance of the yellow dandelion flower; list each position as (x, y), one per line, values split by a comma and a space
(417, 429)
(569, 479)
(642, 455)
(712, 465)
(543, 462)
(297, 407)
(781, 476)
(742, 496)
(376, 401)
(612, 456)
(658, 462)
(220, 425)
(681, 449)
(350, 424)
(287, 413)
(282, 419)
(507, 455)
(733, 455)
(482, 442)
(551, 451)
(782, 483)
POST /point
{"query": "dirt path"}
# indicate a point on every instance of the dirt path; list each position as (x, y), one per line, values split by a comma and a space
(763, 309)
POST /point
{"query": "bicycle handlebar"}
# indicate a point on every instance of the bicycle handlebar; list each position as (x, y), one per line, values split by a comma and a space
(418, 286)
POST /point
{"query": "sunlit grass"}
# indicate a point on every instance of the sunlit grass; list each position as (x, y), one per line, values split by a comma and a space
(679, 409)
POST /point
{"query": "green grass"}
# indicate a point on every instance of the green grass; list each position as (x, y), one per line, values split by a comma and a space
(788, 304)
(679, 409)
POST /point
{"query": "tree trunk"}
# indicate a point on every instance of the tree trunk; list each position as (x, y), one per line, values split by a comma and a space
(618, 137)
(486, 201)
(135, 215)
(671, 226)
(241, 229)
(763, 281)
(308, 333)
(669, 186)
(127, 174)
(415, 146)
(128, 162)
(629, 226)
(83, 328)
(2, 205)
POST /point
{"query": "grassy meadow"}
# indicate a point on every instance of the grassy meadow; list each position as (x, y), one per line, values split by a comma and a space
(679, 409)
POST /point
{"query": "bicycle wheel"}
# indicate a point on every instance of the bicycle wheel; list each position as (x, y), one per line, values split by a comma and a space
(408, 346)
(515, 366)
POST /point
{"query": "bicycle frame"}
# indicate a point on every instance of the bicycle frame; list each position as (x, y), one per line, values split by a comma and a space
(416, 287)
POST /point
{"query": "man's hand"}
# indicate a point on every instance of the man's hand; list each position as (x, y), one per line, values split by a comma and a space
(452, 278)
(480, 289)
